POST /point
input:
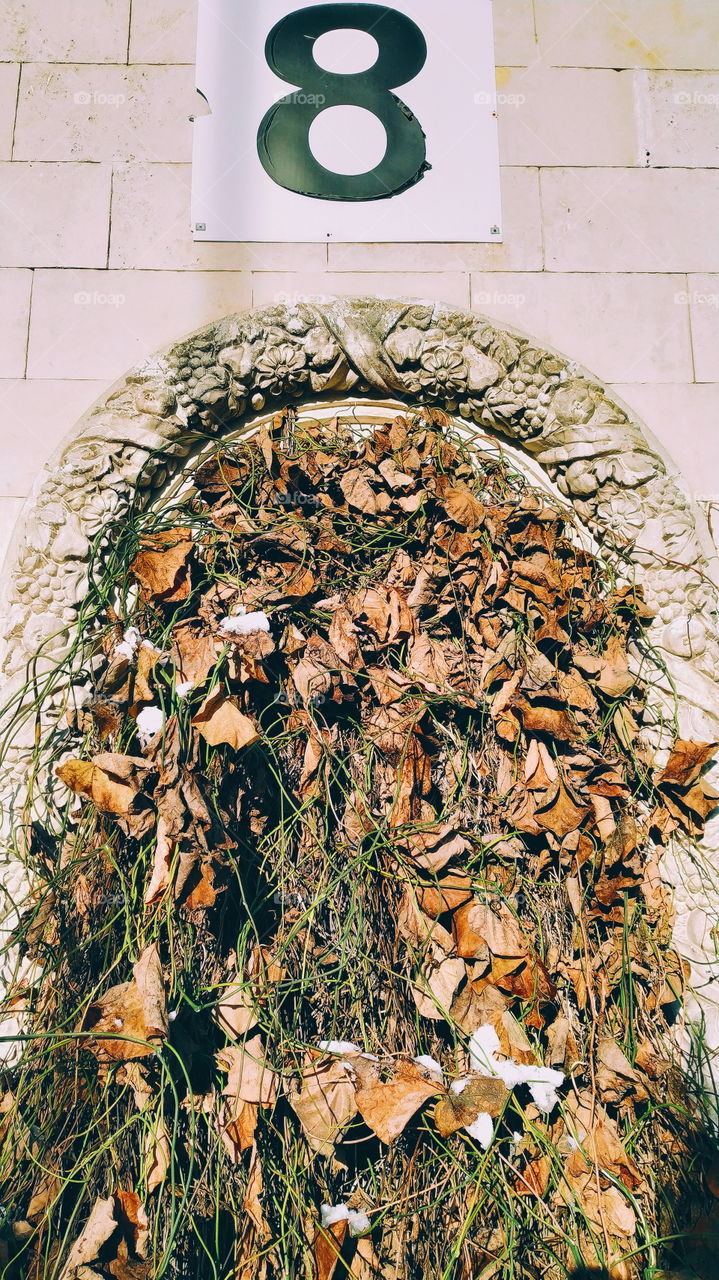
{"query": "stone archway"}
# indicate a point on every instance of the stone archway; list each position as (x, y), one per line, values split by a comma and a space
(602, 461)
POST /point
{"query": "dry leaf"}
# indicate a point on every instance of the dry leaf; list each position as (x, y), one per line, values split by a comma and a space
(325, 1102)
(45, 1194)
(561, 813)
(165, 848)
(113, 783)
(482, 1094)
(252, 1203)
(686, 762)
(360, 494)
(220, 721)
(237, 1009)
(435, 846)
(135, 1011)
(327, 1249)
(435, 985)
(158, 1153)
(386, 613)
(388, 1106)
(599, 1141)
(162, 566)
(238, 1127)
(99, 1228)
(142, 690)
(534, 1177)
(194, 651)
(250, 1079)
(553, 721)
(478, 926)
(452, 891)
(123, 1217)
(462, 507)
(614, 680)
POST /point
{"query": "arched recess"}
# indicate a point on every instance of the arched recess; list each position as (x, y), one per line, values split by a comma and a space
(605, 464)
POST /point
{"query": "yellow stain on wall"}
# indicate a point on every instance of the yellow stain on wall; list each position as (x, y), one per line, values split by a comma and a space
(683, 17)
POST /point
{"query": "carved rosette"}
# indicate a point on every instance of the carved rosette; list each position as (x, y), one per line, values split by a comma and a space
(600, 459)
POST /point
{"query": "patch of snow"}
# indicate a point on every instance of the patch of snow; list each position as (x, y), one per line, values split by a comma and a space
(430, 1064)
(359, 1223)
(458, 1086)
(481, 1129)
(149, 723)
(332, 1213)
(127, 647)
(245, 624)
(338, 1046)
(183, 688)
(543, 1085)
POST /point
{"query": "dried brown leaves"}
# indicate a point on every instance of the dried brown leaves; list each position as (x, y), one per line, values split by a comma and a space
(444, 694)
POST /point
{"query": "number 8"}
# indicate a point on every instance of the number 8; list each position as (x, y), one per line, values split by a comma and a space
(283, 136)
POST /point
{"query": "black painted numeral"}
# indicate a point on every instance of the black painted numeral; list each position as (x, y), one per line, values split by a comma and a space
(283, 136)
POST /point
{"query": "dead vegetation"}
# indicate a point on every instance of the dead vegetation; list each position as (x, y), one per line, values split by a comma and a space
(351, 950)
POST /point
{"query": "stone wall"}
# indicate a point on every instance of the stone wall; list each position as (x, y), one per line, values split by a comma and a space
(609, 126)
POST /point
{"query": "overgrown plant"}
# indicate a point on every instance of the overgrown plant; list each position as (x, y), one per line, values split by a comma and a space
(349, 949)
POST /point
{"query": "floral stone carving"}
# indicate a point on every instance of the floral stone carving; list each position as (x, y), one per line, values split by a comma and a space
(601, 460)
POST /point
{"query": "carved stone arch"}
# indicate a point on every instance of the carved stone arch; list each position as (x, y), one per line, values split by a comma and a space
(604, 463)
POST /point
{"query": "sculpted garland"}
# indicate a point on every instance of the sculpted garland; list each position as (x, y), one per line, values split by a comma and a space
(601, 461)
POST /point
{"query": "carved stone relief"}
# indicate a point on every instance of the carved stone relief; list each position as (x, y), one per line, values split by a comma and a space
(600, 459)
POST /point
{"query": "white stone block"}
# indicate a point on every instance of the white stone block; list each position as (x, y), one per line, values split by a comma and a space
(36, 415)
(628, 33)
(703, 298)
(54, 215)
(105, 113)
(623, 328)
(97, 324)
(9, 77)
(565, 116)
(15, 287)
(64, 30)
(163, 31)
(685, 419)
(631, 219)
(682, 115)
(515, 43)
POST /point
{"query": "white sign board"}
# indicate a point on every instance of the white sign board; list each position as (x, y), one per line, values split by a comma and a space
(349, 122)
